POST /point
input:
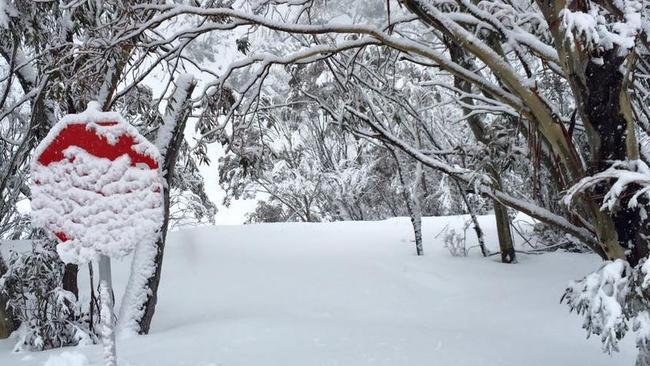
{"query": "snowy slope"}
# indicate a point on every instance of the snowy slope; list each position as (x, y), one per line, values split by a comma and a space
(352, 293)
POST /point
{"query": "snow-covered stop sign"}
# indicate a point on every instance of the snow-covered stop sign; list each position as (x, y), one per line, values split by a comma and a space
(97, 185)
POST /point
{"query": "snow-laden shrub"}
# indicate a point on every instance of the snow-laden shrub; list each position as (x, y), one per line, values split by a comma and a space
(49, 315)
(613, 300)
(616, 298)
(600, 298)
(455, 243)
(550, 238)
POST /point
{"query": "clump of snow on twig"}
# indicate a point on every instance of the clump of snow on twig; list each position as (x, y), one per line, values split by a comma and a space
(6, 10)
(600, 298)
(596, 31)
(612, 300)
(624, 175)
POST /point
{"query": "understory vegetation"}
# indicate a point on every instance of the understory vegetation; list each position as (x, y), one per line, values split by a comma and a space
(330, 110)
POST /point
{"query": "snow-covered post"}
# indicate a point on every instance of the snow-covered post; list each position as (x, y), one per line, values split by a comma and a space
(106, 313)
(97, 186)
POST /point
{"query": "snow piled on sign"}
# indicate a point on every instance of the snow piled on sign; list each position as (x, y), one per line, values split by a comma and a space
(97, 205)
(93, 117)
(102, 206)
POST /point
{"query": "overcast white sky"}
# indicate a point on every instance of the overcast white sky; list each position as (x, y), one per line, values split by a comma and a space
(235, 214)
(224, 53)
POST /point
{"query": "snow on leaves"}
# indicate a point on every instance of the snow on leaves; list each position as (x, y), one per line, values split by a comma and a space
(597, 31)
(99, 192)
(625, 175)
(6, 10)
(612, 301)
(600, 298)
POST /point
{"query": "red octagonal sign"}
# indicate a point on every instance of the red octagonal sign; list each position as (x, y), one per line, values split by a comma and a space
(97, 185)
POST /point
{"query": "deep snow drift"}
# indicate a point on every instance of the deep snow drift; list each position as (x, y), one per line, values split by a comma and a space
(351, 293)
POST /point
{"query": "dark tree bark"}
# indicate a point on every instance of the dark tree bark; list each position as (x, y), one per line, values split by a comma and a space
(609, 134)
(6, 322)
(150, 305)
(504, 233)
(602, 101)
(70, 279)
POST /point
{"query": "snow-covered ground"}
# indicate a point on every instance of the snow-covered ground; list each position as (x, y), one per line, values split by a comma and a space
(351, 293)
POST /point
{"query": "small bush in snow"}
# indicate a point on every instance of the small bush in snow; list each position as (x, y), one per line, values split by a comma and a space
(455, 243)
(549, 238)
(49, 315)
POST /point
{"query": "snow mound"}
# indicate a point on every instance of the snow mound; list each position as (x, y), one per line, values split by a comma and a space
(354, 294)
(67, 359)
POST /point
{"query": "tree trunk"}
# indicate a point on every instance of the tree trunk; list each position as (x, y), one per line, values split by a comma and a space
(153, 282)
(412, 199)
(177, 112)
(602, 102)
(416, 200)
(6, 325)
(643, 358)
(416, 222)
(6, 322)
(503, 223)
(481, 134)
(70, 279)
(505, 235)
(477, 227)
(612, 137)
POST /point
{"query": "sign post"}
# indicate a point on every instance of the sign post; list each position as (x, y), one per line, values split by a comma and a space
(107, 299)
(97, 186)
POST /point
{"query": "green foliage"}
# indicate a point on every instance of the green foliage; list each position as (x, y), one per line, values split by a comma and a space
(50, 316)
